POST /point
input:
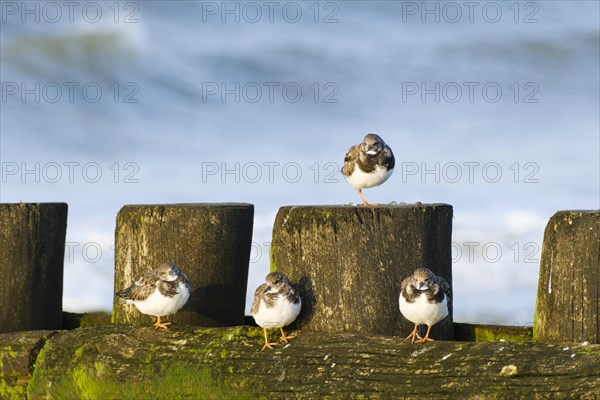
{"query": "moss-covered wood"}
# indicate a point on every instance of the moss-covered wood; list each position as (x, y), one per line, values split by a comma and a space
(490, 333)
(126, 362)
(18, 352)
(568, 301)
(210, 242)
(32, 242)
(74, 320)
(348, 262)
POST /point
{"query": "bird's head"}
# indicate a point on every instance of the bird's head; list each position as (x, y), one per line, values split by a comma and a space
(422, 279)
(275, 281)
(168, 272)
(372, 144)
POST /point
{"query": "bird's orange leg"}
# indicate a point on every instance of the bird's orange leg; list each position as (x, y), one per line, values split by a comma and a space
(267, 344)
(285, 338)
(426, 338)
(366, 203)
(413, 334)
(162, 325)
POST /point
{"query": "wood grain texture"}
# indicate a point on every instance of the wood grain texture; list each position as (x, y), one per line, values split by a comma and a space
(348, 262)
(210, 243)
(568, 302)
(32, 241)
(126, 362)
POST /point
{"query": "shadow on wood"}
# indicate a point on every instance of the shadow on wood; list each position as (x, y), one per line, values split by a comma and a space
(348, 262)
(209, 242)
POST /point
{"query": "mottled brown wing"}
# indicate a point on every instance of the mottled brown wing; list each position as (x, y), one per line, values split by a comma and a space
(387, 157)
(168, 288)
(171, 288)
(403, 289)
(186, 281)
(290, 294)
(141, 289)
(445, 288)
(350, 160)
(257, 296)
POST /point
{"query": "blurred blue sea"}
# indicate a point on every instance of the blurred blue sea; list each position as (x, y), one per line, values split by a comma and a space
(492, 107)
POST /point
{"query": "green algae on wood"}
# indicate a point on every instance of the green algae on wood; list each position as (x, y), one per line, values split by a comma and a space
(75, 320)
(18, 351)
(122, 361)
(489, 333)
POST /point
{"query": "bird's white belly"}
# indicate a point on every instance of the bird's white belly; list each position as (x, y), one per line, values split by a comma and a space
(281, 314)
(362, 180)
(422, 311)
(158, 305)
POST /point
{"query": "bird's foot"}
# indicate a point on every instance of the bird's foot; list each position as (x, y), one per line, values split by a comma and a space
(284, 337)
(425, 339)
(161, 325)
(269, 346)
(365, 202)
(414, 334)
(412, 337)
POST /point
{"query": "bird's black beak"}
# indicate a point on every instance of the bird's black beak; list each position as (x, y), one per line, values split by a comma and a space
(267, 289)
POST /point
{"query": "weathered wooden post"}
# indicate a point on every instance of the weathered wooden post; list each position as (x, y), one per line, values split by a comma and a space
(32, 241)
(568, 300)
(209, 242)
(348, 262)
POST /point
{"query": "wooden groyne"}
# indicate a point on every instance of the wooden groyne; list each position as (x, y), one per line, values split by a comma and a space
(32, 242)
(117, 361)
(347, 263)
(209, 242)
(568, 300)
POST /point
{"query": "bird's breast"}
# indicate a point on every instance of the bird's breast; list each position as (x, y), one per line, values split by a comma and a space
(422, 311)
(364, 180)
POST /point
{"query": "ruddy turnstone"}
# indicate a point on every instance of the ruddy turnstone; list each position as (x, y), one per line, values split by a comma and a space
(368, 164)
(424, 300)
(276, 304)
(160, 292)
